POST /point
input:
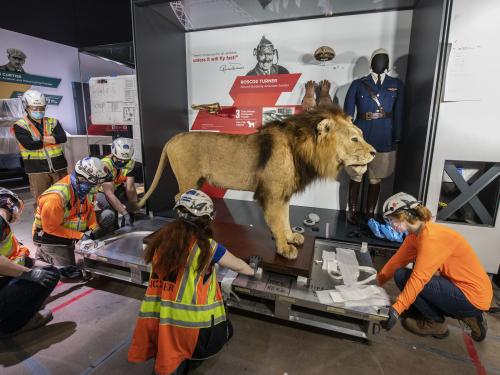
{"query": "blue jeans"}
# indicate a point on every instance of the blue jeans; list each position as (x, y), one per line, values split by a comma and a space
(439, 298)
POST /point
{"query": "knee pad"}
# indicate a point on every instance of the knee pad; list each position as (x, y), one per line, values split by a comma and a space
(107, 218)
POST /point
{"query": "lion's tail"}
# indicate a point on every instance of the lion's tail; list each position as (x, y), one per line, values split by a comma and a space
(159, 170)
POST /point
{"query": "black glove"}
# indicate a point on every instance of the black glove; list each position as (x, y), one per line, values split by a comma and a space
(127, 220)
(391, 321)
(71, 272)
(46, 276)
(88, 235)
(254, 262)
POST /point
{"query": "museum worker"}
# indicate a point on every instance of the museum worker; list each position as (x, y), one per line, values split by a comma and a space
(118, 196)
(23, 291)
(182, 316)
(40, 140)
(447, 278)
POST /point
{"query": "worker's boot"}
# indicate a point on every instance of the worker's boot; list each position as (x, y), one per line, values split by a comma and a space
(41, 318)
(426, 327)
(353, 212)
(371, 200)
(477, 325)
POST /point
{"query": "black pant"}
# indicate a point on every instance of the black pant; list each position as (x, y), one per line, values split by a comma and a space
(19, 302)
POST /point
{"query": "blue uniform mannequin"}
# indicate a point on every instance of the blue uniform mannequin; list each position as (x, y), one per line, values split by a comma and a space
(376, 103)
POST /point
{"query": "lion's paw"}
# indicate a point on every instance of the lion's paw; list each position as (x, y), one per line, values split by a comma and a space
(288, 251)
(295, 238)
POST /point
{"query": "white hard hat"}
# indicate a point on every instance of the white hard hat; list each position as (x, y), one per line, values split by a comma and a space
(33, 98)
(399, 201)
(123, 148)
(197, 203)
(93, 170)
(11, 202)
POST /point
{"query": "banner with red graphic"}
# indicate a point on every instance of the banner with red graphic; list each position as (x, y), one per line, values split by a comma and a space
(254, 104)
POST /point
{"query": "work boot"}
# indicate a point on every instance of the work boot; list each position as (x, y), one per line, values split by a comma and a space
(477, 325)
(426, 327)
(41, 318)
(353, 212)
(371, 200)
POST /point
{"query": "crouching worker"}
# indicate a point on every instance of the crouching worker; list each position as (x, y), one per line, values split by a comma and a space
(182, 316)
(22, 290)
(118, 196)
(447, 278)
(65, 214)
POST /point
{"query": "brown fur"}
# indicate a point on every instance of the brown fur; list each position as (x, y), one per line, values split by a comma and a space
(278, 161)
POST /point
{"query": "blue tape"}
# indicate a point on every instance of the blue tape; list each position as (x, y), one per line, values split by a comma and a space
(106, 357)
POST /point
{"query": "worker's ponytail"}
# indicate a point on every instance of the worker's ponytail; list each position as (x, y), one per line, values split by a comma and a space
(422, 213)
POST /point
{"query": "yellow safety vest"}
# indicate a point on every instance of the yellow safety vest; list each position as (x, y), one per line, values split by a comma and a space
(119, 175)
(195, 305)
(75, 212)
(10, 248)
(46, 159)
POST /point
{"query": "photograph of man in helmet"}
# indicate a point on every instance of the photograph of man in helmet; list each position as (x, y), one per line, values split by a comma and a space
(267, 60)
(17, 58)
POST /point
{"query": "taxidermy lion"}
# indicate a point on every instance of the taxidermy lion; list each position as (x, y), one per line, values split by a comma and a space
(282, 158)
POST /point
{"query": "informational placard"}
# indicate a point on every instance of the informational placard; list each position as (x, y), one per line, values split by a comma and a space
(113, 100)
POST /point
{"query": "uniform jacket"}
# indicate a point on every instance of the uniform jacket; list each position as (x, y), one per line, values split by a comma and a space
(380, 133)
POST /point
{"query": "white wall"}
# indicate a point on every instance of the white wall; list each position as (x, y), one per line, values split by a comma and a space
(47, 59)
(354, 38)
(469, 129)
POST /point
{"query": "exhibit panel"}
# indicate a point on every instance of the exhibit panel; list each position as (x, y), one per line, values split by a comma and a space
(467, 134)
(223, 68)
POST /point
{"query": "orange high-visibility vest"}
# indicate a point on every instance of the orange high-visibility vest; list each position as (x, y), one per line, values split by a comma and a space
(76, 214)
(172, 314)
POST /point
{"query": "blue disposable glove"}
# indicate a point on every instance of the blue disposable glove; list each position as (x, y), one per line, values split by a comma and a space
(374, 226)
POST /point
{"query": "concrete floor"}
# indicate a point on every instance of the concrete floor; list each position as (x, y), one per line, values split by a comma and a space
(93, 322)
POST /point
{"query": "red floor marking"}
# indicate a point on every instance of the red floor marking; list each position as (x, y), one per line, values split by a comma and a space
(474, 357)
(74, 299)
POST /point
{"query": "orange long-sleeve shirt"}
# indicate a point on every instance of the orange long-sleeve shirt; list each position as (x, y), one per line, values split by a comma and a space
(439, 248)
(52, 213)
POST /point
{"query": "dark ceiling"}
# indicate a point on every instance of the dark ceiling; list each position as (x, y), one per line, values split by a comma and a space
(77, 23)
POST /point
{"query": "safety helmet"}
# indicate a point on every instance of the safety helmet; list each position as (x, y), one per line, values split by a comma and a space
(197, 203)
(399, 201)
(11, 202)
(93, 170)
(33, 98)
(123, 148)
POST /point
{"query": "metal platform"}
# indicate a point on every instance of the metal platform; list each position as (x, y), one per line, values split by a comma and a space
(273, 295)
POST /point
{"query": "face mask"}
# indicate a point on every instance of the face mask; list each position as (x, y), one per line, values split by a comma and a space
(380, 63)
(37, 115)
(82, 189)
(118, 163)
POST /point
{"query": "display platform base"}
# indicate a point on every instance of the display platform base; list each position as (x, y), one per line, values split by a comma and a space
(245, 241)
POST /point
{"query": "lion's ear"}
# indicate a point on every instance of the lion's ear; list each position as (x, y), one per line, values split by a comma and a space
(324, 127)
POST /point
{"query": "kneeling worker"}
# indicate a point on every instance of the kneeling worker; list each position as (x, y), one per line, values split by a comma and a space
(182, 316)
(121, 190)
(65, 214)
(22, 290)
(447, 278)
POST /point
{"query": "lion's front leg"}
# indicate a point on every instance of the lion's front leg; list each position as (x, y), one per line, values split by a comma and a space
(291, 237)
(273, 213)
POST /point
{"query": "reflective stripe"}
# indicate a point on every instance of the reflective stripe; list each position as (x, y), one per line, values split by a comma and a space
(7, 246)
(187, 270)
(48, 151)
(213, 246)
(205, 324)
(181, 306)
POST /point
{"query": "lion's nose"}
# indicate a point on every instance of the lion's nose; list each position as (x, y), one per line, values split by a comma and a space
(372, 153)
